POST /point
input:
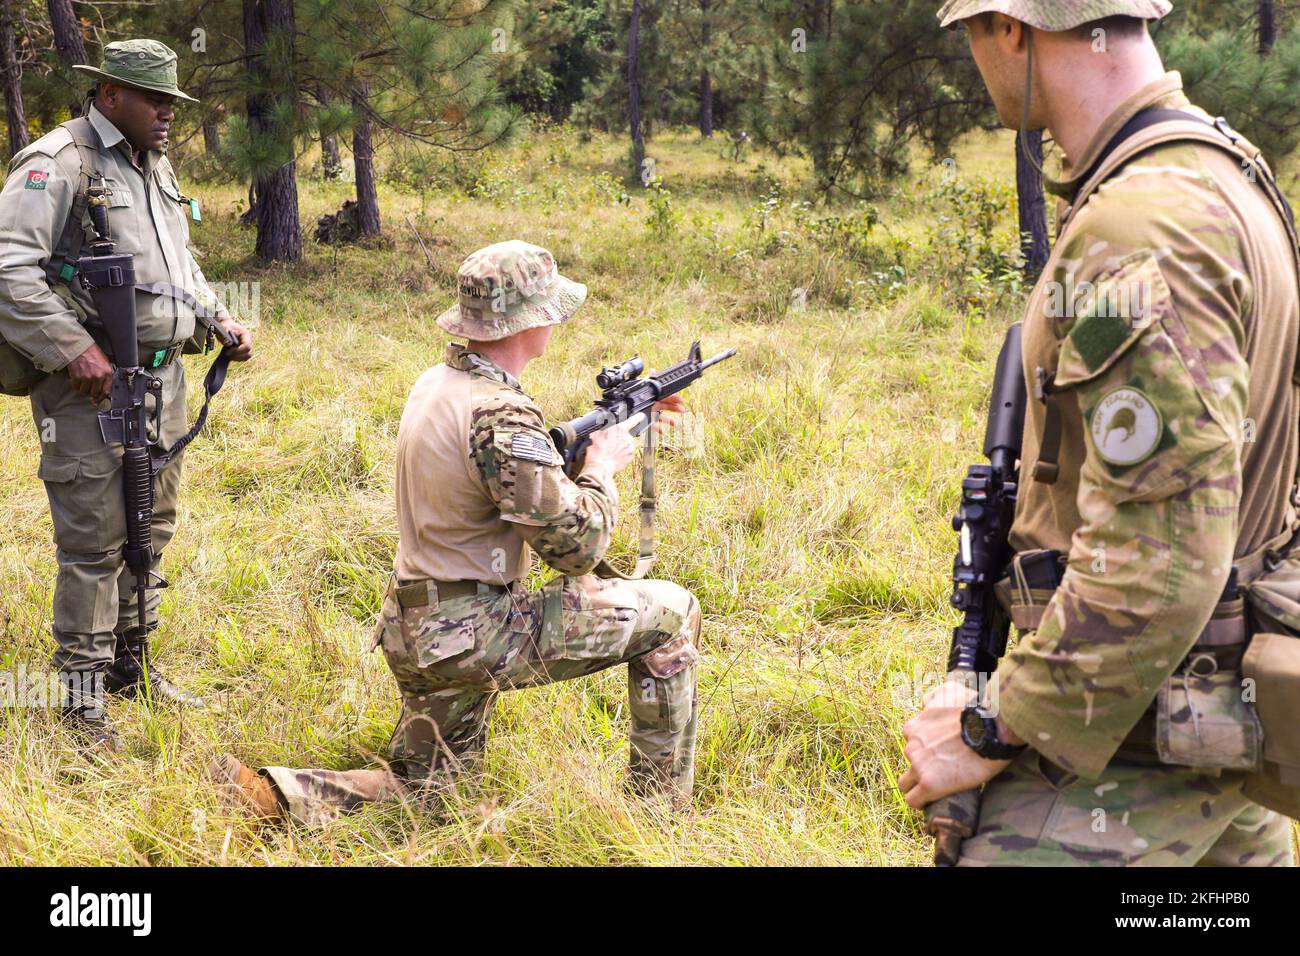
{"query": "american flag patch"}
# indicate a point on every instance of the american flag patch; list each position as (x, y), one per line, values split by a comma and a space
(532, 448)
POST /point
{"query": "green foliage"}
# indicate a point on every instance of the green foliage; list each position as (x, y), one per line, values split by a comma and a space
(854, 90)
(1259, 95)
(663, 218)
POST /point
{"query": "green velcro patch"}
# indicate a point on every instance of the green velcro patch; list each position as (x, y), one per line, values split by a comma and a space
(1097, 336)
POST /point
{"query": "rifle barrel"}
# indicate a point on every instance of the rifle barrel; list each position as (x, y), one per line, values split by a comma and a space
(720, 357)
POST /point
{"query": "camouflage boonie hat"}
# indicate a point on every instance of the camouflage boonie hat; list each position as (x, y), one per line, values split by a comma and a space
(143, 64)
(1054, 16)
(509, 287)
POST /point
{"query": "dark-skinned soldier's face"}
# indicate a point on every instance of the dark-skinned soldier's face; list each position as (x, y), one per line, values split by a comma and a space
(143, 116)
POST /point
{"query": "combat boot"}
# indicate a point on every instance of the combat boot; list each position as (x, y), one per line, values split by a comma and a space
(84, 711)
(245, 789)
(132, 673)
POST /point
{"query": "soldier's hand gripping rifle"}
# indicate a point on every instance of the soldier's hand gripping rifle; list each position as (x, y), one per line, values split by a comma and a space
(110, 278)
(983, 522)
(625, 394)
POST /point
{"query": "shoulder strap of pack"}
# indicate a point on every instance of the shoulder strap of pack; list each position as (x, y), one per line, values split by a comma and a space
(1160, 127)
(61, 266)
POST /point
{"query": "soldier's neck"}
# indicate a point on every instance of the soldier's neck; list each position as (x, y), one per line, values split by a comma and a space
(509, 354)
(1082, 88)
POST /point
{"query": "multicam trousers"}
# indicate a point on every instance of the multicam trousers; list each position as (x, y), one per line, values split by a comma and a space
(452, 661)
(1035, 814)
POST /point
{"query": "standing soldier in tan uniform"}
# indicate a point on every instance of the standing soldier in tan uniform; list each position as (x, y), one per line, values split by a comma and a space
(1156, 475)
(54, 349)
(480, 487)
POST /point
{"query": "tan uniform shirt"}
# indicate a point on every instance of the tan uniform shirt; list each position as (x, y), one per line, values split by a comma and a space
(147, 217)
(479, 482)
(1170, 315)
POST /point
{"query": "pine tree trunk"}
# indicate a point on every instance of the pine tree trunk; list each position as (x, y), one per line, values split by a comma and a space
(363, 158)
(1267, 27)
(706, 81)
(330, 161)
(15, 117)
(212, 139)
(634, 91)
(68, 41)
(820, 32)
(1033, 204)
(279, 237)
(706, 104)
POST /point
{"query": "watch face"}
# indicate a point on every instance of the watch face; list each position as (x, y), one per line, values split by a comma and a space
(974, 727)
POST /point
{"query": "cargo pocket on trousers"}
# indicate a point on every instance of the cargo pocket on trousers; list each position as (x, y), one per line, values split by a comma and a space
(1203, 719)
(578, 626)
(434, 637)
(676, 705)
(84, 513)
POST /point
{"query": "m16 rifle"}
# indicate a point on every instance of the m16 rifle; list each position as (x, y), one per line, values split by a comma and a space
(624, 395)
(110, 278)
(983, 522)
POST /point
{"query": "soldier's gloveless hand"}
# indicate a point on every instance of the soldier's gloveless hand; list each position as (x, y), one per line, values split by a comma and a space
(243, 350)
(91, 374)
(612, 449)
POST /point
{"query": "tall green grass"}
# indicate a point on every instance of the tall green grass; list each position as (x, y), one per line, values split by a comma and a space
(813, 528)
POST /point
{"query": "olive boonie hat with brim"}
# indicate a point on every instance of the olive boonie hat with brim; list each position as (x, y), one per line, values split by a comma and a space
(1054, 16)
(508, 287)
(143, 64)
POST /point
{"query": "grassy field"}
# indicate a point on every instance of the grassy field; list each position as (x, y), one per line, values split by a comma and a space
(813, 527)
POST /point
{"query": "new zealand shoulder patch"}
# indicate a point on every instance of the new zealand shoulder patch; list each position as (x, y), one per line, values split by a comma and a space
(532, 448)
(1126, 426)
(36, 179)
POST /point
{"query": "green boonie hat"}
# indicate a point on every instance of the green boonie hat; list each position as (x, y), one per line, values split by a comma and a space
(143, 64)
(1054, 16)
(508, 287)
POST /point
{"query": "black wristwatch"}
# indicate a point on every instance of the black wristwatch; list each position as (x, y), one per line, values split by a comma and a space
(979, 729)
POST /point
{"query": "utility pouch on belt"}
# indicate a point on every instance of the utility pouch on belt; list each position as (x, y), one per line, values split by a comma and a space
(1204, 717)
(1271, 669)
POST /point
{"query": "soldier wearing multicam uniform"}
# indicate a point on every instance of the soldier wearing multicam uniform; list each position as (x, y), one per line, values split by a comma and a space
(1160, 449)
(479, 488)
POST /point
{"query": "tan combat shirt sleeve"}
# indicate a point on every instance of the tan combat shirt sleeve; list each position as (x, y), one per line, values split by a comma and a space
(34, 206)
(1151, 358)
(568, 523)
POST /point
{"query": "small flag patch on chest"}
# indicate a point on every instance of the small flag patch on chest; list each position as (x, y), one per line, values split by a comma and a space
(532, 448)
(36, 179)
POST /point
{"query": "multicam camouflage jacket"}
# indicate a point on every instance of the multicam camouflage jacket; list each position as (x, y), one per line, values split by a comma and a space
(1166, 323)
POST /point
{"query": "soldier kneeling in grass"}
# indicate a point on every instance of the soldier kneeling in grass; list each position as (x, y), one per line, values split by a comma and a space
(479, 487)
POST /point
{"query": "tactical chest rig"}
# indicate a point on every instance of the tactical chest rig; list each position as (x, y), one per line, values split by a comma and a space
(1246, 663)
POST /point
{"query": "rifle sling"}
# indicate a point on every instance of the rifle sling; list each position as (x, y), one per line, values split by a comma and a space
(646, 553)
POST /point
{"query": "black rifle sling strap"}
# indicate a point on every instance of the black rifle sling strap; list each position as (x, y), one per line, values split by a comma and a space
(1190, 128)
(212, 382)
